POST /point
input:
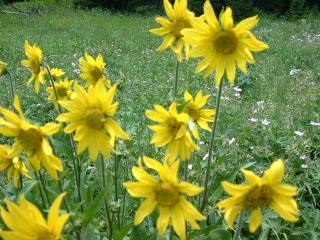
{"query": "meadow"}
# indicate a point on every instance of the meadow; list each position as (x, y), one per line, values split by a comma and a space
(271, 113)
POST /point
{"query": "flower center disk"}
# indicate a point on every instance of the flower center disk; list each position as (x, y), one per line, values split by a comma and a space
(226, 42)
(179, 25)
(259, 196)
(94, 118)
(166, 194)
(46, 236)
(30, 139)
(61, 92)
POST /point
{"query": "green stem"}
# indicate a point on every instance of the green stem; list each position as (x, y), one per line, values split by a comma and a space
(42, 180)
(103, 182)
(75, 159)
(116, 177)
(176, 82)
(116, 169)
(11, 87)
(77, 170)
(239, 226)
(44, 202)
(54, 88)
(171, 233)
(211, 146)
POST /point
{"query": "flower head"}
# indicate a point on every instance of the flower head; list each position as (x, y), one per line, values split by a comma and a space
(172, 131)
(56, 73)
(63, 90)
(92, 70)
(222, 46)
(259, 192)
(15, 167)
(25, 221)
(34, 63)
(3, 68)
(31, 139)
(167, 193)
(90, 114)
(179, 19)
(199, 115)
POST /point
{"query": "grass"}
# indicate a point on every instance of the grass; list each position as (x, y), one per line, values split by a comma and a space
(285, 103)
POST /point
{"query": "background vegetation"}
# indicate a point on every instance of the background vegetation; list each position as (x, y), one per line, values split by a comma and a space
(258, 124)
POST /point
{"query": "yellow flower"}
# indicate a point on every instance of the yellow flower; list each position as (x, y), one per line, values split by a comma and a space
(259, 192)
(3, 68)
(167, 193)
(34, 63)
(56, 73)
(90, 116)
(179, 19)
(93, 70)
(222, 46)
(15, 167)
(31, 139)
(25, 221)
(194, 109)
(172, 131)
(63, 89)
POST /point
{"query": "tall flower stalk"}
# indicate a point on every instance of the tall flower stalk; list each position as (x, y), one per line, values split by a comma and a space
(75, 159)
(211, 146)
(103, 187)
(223, 47)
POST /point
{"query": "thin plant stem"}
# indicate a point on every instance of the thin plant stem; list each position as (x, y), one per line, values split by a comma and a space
(171, 233)
(116, 177)
(103, 182)
(42, 180)
(75, 159)
(116, 169)
(175, 90)
(211, 146)
(44, 203)
(239, 225)
(77, 170)
(54, 88)
(12, 90)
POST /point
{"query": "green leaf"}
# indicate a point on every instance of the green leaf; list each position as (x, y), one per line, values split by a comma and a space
(27, 188)
(219, 234)
(119, 234)
(93, 207)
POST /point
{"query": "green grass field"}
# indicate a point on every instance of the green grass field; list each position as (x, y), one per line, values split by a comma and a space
(274, 112)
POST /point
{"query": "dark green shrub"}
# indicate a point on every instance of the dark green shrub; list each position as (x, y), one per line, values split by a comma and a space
(241, 8)
(297, 8)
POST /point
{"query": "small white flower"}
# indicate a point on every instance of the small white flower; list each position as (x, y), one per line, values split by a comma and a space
(237, 89)
(231, 141)
(201, 142)
(190, 166)
(315, 123)
(304, 166)
(91, 168)
(237, 94)
(303, 157)
(205, 156)
(298, 133)
(224, 98)
(294, 72)
(73, 64)
(265, 122)
(254, 120)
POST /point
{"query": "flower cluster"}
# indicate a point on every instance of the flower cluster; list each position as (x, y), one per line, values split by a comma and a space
(86, 111)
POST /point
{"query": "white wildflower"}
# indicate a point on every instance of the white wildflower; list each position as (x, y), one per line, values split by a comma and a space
(265, 122)
(298, 133)
(315, 123)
